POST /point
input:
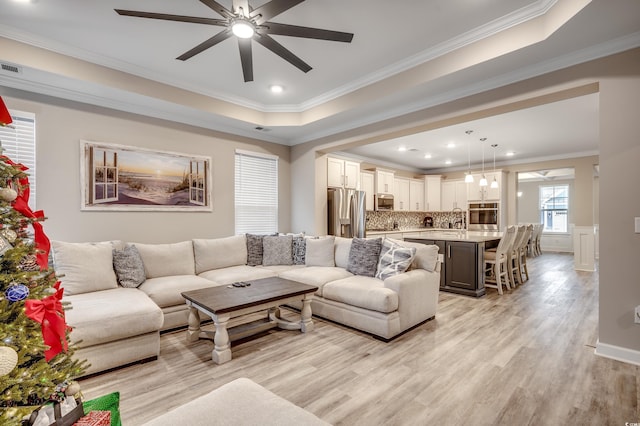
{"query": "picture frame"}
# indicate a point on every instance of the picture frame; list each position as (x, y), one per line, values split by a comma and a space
(128, 178)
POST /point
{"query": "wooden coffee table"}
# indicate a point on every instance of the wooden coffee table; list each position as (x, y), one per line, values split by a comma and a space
(222, 303)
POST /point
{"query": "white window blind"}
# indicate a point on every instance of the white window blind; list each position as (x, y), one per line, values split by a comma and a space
(19, 144)
(256, 193)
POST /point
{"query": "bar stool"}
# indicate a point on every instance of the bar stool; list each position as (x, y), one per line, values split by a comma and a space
(522, 255)
(514, 253)
(496, 262)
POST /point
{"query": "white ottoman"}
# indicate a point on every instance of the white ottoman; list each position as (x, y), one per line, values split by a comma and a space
(240, 402)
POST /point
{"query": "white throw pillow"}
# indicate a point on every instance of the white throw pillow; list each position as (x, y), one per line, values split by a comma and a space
(320, 252)
(342, 249)
(86, 267)
(162, 260)
(220, 253)
(426, 255)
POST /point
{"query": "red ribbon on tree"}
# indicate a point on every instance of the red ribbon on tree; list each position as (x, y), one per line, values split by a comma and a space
(5, 117)
(21, 205)
(50, 314)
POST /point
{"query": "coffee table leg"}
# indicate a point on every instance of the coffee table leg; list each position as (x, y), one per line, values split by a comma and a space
(193, 332)
(306, 323)
(222, 349)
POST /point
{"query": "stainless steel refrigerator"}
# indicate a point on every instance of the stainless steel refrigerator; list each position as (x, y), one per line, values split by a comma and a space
(346, 212)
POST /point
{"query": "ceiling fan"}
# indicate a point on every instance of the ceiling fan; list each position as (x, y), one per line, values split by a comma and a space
(247, 24)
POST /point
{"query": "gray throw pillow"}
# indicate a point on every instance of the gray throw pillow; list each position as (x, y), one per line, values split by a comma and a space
(363, 256)
(129, 267)
(299, 250)
(277, 250)
(394, 259)
(254, 249)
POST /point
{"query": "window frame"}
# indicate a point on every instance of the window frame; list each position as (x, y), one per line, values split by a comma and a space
(543, 211)
(256, 192)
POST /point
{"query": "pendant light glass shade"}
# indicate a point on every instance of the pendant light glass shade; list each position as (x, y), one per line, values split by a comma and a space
(469, 177)
(483, 181)
(494, 184)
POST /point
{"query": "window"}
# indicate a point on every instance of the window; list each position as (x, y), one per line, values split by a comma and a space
(256, 193)
(554, 208)
(19, 144)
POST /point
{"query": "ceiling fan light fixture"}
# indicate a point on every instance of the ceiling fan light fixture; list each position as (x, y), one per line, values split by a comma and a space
(242, 28)
(276, 88)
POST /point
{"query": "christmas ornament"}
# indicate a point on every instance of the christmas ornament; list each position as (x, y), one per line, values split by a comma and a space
(29, 263)
(8, 194)
(4, 245)
(9, 234)
(8, 360)
(16, 292)
(72, 389)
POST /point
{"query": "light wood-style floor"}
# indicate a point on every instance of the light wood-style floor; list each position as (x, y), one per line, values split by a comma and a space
(525, 358)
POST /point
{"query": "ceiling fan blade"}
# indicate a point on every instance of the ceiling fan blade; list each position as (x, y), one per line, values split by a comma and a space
(218, 8)
(282, 51)
(241, 4)
(246, 58)
(275, 7)
(305, 32)
(221, 36)
(168, 17)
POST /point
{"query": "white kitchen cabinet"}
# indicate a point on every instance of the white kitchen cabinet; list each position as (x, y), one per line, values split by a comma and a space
(384, 182)
(416, 194)
(454, 195)
(433, 193)
(475, 192)
(367, 185)
(342, 173)
(401, 193)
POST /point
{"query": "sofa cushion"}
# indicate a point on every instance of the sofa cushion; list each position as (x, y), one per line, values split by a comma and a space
(234, 274)
(363, 292)
(299, 249)
(128, 266)
(219, 252)
(241, 402)
(315, 275)
(394, 259)
(426, 255)
(363, 256)
(166, 291)
(320, 251)
(341, 251)
(277, 250)
(84, 267)
(161, 260)
(110, 315)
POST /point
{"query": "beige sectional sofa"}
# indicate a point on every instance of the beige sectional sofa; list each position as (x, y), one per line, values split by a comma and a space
(115, 325)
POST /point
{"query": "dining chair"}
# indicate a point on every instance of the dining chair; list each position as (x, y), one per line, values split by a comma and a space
(496, 262)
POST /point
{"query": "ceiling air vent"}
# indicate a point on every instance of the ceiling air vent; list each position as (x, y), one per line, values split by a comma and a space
(11, 68)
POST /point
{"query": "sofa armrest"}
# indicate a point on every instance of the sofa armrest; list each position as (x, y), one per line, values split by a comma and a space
(418, 291)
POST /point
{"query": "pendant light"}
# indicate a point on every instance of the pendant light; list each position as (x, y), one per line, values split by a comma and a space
(494, 184)
(483, 181)
(469, 177)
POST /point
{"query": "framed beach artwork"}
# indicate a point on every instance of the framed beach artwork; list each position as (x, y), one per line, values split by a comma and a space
(127, 178)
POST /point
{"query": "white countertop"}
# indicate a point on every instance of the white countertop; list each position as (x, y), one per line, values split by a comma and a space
(445, 234)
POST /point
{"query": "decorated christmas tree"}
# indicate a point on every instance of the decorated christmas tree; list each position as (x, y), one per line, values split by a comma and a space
(35, 355)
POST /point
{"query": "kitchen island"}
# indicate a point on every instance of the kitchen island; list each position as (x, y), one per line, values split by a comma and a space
(463, 251)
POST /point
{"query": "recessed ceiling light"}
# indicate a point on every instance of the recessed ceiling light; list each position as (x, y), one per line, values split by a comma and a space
(276, 88)
(447, 162)
(427, 156)
(451, 145)
(510, 154)
(402, 148)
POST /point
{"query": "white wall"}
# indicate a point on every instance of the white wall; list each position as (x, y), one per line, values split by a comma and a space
(60, 125)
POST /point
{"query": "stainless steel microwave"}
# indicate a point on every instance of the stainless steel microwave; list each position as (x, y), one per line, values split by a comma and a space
(383, 202)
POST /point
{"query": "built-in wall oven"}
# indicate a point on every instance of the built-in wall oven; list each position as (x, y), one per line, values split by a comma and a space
(484, 216)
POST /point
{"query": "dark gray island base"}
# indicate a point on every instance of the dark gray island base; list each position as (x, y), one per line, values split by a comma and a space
(463, 268)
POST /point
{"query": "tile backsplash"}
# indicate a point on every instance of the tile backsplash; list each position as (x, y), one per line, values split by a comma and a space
(411, 220)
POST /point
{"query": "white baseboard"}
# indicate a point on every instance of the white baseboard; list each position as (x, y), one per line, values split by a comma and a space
(618, 353)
